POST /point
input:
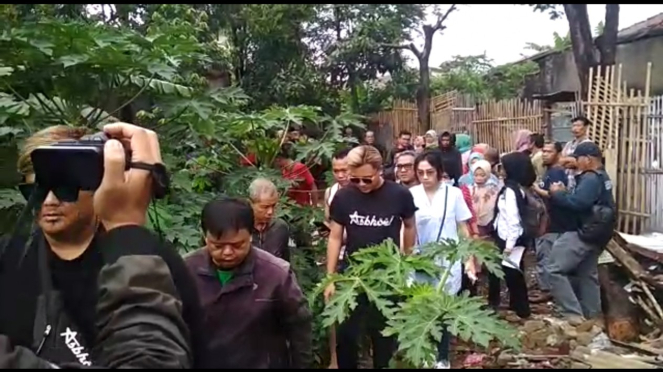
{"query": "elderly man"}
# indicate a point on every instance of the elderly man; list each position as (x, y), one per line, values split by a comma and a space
(269, 234)
(405, 168)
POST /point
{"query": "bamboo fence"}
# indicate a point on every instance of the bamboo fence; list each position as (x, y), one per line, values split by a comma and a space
(620, 126)
(626, 123)
(493, 122)
(496, 122)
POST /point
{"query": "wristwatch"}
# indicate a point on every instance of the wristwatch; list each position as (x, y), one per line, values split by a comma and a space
(160, 178)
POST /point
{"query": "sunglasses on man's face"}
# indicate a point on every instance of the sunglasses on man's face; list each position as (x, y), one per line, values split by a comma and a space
(65, 194)
(364, 180)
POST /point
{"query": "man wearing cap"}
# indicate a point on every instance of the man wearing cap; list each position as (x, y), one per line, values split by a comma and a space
(572, 265)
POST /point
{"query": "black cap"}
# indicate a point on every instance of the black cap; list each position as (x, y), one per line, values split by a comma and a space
(587, 148)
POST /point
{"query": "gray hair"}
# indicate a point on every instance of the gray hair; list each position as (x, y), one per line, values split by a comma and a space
(405, 153)
(261, 187)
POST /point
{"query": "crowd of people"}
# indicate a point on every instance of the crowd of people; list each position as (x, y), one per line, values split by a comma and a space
(543, 196)
(98, 289)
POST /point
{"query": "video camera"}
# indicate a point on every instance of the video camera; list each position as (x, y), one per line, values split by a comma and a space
(73, 163)
(70, 166)
(79, 164)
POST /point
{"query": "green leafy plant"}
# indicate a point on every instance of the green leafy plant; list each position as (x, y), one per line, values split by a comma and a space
(382, 273)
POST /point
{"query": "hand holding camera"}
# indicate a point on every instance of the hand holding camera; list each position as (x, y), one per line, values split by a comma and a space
(124, 195)
(122, 165)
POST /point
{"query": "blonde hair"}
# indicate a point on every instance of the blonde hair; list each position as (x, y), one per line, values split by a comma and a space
(364, 155)
(45, 137)
(261, 187)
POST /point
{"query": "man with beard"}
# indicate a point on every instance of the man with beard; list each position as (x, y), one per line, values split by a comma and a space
(254, 309)
(405, 168)
(370, 212)
(269, 234)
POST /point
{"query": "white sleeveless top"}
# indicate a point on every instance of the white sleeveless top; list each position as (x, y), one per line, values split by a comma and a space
(332, 192)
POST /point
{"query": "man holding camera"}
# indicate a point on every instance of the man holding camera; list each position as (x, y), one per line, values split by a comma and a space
(91, 286)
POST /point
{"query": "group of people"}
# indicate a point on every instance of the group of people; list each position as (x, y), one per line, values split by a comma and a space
(540, 196)
(95, 288)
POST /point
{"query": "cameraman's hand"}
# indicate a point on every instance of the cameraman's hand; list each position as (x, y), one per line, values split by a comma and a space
(123, 197)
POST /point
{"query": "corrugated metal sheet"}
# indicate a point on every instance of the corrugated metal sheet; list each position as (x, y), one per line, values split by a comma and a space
(560, 120)
(654, 164)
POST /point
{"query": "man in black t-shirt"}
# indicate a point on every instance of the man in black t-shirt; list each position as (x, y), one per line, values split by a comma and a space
(370, 211)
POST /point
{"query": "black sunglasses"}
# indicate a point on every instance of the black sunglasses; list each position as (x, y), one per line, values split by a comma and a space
(66, 194)
(358, 180)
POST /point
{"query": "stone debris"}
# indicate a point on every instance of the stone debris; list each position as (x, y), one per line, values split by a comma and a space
(551, 343)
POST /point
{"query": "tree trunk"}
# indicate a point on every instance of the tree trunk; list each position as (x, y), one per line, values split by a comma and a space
(582, 42)
(608, 40)
(354, 95)
(423, 95)
(335, 72)
(423, 92)
(620, 315)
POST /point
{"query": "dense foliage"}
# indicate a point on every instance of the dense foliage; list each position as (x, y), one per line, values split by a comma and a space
(382, 274)
(221, 83)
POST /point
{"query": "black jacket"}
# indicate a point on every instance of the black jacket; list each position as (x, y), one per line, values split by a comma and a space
(274, 239)
(145, 316)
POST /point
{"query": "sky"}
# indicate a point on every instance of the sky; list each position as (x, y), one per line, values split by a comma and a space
(503, 30)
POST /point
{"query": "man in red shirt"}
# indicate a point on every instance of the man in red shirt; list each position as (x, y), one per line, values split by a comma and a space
(303, 191)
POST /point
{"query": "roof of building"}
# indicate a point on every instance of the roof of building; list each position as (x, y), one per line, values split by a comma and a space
(650, 27)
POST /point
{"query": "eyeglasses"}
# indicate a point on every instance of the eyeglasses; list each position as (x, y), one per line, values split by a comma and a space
(364, 180)
(404, 167)
(66, 194)
(429, 173)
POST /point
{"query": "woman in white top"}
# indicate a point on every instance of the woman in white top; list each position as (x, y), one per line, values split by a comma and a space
(519, 174)
(441, 213)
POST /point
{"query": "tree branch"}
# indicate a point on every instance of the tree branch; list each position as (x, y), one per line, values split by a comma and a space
(411, 47)
(440, 19)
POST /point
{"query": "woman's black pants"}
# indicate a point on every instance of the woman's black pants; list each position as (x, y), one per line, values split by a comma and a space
(515, 283)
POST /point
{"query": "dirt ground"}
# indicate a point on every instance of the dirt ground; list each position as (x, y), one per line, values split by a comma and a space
(469, 356)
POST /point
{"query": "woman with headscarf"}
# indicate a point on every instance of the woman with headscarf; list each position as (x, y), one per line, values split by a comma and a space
(481, 148)
(522, 141)
(430, 139)
(468, 178)
(484, 194)
(463, 142)
(508, 231)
